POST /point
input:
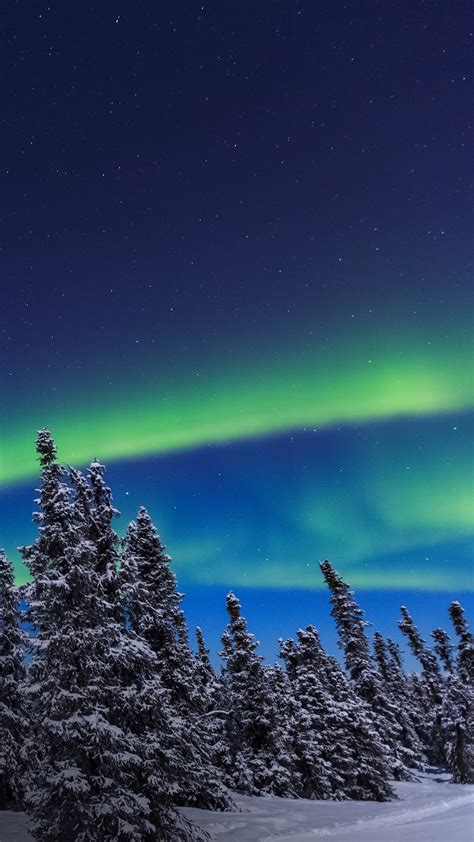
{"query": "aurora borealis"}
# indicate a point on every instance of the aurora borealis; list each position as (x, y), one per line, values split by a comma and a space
(237, 269)
(251, 400)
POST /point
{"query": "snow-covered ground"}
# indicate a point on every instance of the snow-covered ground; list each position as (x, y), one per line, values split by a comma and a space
(430, 811)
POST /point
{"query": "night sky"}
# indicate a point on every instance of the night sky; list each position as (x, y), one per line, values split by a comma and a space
(236, 263)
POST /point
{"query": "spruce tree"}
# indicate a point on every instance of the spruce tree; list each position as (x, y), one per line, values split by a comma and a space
(94, 508)
(153, 606)
(458, 707)
(13, 716)
(395, 660)
(213, 705)
(430, 688)
(255, 763)
(204, 668)
(340, 754)
(281, 708)
(443, 648)
(381, 657)
(367, 682)
(465, 658)
(153, 612)
(389, 664)
(424, 655)
(313, 738)
(92, 688)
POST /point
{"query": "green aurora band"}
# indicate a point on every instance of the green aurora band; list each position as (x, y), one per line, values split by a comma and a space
(262, 397)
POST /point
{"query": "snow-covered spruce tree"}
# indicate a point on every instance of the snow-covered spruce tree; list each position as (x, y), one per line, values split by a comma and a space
(443, 648)
(431, 688)
(98, 777)
(146, 705)
(310, 720)
(259, 757)
(367, 682)
(425, 656)
(457, 713)
(212, 703)
(389, 665)
(204, 668)
(56, 531)
(465, 658)
(407, 686)
(381, 656)
(13, 718)
(153, 610)
(280, 706)
(339, 750)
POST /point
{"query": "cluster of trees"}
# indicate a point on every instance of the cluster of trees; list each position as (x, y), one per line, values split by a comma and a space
(109, 721)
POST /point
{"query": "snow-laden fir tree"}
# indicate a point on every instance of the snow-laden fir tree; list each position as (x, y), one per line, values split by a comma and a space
(353, 640)
(94, 508)
(424, 655)
(465, 658)
(153, 611)
(431, 688)
(103, 773)
(13, 716)
(313, 738)
(387, 656)
(212, 703)
(339, 750)
(381, 656)
(443, 648)
(204, 669)
(56, 531)
(407, 686)
(259, 758)
(457, 714)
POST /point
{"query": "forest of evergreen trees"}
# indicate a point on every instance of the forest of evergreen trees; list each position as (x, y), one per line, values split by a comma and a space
(110, 720)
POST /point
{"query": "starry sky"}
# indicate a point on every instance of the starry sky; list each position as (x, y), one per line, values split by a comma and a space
(236, 263)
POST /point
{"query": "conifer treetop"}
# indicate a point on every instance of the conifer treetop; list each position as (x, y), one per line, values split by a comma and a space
(45, 447)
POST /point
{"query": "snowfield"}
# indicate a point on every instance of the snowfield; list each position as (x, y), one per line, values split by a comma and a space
(430, 811)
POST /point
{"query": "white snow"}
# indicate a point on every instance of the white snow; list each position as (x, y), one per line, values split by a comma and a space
(430, 811)
(13, 827)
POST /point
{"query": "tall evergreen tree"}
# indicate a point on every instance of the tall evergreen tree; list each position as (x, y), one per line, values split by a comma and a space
(443, 648)
(13, 716)
(213, 705)
(458, 707)
(154, 606)
(92, 688)
(340, 754)
(387, 656)
(94, 509)
(353, 640)
(424, 655)
(204, 667)
(402, 687)
(381, 656)
(310, 717)
(259, 759)
(430, 687)
(154, 613)
(395, 658)
(56, 532)
(351, 626)
(465, 658)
